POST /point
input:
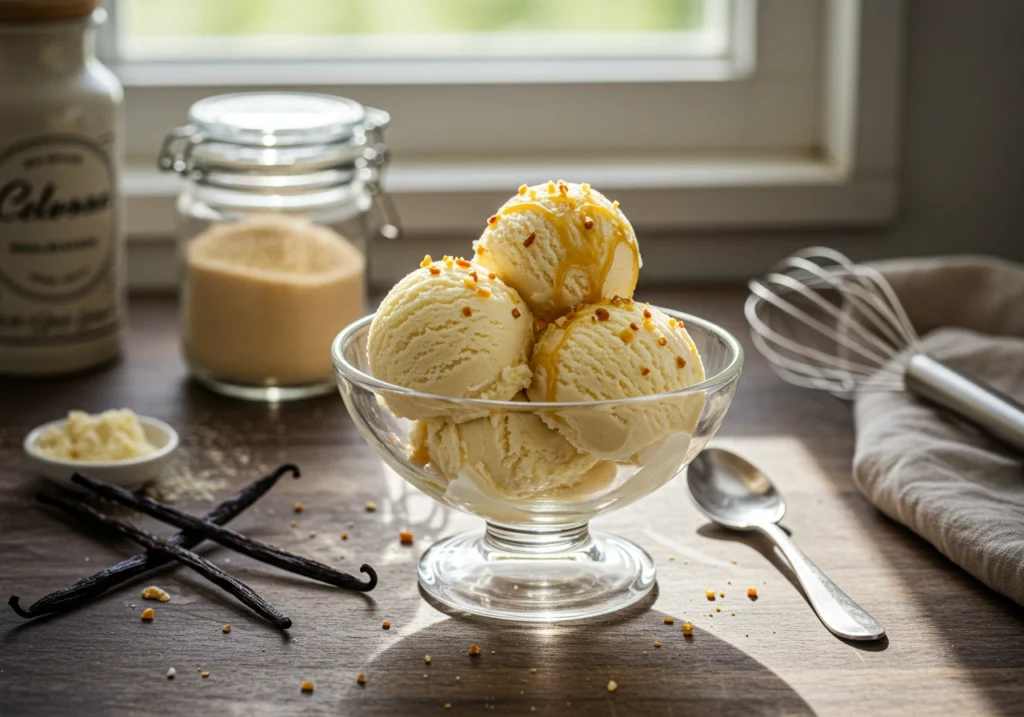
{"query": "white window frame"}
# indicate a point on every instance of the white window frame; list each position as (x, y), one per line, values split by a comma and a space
(836, 167)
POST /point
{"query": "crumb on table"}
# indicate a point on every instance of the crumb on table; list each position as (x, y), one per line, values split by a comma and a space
(298, 507)
(752, 593)
(669, 620)
(148, 614)
(612, 685)
(155, 593)
(226, 628)
(307, 687)
(361, 679)
(171, 672)
(688, 628)
(710, 594)
(405, 537)
(386, 625)
(474, 649)
(370, 506)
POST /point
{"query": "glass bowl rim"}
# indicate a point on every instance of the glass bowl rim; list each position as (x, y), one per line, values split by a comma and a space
(364, 380)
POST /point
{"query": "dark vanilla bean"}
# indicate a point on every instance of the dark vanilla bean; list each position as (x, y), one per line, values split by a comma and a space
(88, 589)
(255, 549)
(232, 586)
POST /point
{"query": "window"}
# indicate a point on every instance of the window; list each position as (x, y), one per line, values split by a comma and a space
(700, 115)
(360, 30)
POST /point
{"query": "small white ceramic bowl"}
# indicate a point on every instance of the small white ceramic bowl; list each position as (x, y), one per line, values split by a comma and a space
(131, 473)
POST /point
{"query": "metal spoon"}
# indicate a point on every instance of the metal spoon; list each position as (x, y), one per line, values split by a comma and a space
(735, 494)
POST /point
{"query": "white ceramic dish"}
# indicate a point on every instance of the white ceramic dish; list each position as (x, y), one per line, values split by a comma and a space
(131, 473)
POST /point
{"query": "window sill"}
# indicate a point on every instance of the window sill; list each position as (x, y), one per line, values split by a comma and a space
(657, 194)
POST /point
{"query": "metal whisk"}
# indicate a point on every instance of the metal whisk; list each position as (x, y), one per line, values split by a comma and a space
(829, 324)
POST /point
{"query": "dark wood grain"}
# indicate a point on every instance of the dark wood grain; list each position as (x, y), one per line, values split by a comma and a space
(953, 646)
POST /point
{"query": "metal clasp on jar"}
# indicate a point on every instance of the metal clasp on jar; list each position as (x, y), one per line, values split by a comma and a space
(169, 159)
(376, 156)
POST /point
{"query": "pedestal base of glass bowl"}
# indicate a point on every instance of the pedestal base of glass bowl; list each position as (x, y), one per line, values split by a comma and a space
(536, 575)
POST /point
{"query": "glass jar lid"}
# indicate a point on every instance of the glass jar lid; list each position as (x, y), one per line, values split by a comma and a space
(275, 119)
(296, 141)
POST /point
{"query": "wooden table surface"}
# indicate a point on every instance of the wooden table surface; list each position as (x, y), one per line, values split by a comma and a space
(953, 646)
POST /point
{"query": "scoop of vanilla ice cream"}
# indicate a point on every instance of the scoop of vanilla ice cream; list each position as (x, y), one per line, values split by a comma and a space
(561, 244)
(612, 350)
(451, 328)
(513, 453)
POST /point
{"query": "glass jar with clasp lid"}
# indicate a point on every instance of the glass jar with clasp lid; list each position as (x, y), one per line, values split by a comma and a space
(282, 195)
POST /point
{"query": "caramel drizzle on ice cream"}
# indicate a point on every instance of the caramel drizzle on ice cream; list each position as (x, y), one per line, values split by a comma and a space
(580, 256)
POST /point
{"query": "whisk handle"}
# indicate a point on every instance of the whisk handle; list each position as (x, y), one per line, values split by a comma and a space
(997, 414)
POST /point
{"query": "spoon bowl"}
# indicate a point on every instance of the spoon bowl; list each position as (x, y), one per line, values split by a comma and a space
(732, 491)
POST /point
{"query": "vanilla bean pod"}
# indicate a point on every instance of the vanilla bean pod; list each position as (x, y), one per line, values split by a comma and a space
(88, 589)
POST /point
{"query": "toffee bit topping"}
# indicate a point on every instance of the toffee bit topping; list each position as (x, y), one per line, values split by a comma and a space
(533, 194)
(475, 277)
(588, 223)
(662, 341)
(470, 284)
(492, 220)
(515, 313)
(551, 187)
(593, 319)
(563, 189)
(648, 325)
(481, 250)
(155, 593)
(647, 313)
(688, 629)
(634, 327)
(644, 371)
(571, 316)
(434, 270)
(585, 187)
(307, 687)
(405, 537)
(386, 625)
(540, 324)
(492, 276)
(361, 679)
(602, 314)
(483, 293)
(226, 628)
(615, 204)
(680, 362)
(148, 614)
(616, 300)
(449, 262)
(672, 323)
(427, 261)
(466, 311)
(370, 507)
(463, 263)
(626, 335)
(474, 649)
(298, 507)
(530, 239)
(522, 189)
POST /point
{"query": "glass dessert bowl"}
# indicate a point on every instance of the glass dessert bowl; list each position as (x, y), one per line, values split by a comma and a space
(504, 461)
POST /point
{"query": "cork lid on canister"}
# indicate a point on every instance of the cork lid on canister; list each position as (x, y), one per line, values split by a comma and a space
(45, 10)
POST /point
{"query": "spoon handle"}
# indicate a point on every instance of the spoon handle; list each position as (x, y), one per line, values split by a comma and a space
(840, 614)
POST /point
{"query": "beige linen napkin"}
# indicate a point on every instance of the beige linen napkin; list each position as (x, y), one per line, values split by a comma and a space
(947, 482)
